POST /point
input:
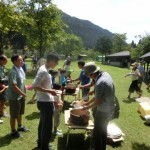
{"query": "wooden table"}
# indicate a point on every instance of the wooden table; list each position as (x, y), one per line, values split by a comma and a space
(71, 126)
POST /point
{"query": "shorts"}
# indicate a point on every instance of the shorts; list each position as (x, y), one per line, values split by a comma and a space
(17, 108)
(3, 96)
(134, 86)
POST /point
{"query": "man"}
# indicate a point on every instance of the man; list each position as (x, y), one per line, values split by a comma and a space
(135, 74)
(45, 100)
(16, 95)
(142, 73)
(102, 101)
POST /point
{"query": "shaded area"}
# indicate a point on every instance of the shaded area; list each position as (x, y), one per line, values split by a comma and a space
(114, 144)
(34, 115)
(76, 142)
(130, 100)
(6, 140)
(138, 146)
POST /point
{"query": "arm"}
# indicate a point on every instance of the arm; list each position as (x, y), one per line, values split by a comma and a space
(17, 90)
(92, 103)
(51, 91)
(87, 85)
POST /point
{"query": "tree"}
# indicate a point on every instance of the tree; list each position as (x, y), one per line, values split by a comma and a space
(9, 22)
(69, 44)
(119, 42)
(104, 45)
(133, 45)
(44, 24)
(142, 47)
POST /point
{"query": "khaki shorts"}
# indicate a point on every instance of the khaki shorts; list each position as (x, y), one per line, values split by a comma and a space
(17, 108)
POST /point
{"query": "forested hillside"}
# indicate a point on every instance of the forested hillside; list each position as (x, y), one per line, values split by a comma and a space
(85, 29)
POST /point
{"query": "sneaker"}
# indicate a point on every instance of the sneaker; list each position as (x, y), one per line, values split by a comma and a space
(15, 134)
(22, 129)
(1, 121)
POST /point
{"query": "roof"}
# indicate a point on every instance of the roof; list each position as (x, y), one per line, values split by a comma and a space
(123, 53)
(146, 55)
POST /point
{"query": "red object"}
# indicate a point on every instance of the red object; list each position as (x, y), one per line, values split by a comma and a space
(29, 87)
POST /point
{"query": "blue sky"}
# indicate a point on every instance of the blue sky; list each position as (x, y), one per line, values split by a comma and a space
(117, 16)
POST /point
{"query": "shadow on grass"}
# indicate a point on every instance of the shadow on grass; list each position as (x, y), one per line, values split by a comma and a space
(5, 140)
(138, 146)
(76, 142)
(114, 144)
(130, 100)
(34, 115)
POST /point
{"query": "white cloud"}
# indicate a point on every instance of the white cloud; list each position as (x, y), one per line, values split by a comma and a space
(118, 16)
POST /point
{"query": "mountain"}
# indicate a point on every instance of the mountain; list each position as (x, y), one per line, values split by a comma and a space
(86, 30)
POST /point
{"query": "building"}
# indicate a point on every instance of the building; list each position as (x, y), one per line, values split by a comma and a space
(120, 59)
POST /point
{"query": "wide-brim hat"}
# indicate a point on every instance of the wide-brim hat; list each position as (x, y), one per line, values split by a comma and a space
(90, 68)
(135, 64)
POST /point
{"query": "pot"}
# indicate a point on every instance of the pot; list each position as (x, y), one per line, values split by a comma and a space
(70, 88)
(79, 116)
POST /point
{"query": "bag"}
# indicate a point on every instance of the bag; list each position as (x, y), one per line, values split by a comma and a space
(116, 109)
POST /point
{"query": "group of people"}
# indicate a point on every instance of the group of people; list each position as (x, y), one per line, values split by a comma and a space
(50, 99)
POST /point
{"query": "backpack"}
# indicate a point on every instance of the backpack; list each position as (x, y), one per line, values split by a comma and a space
(116, 109)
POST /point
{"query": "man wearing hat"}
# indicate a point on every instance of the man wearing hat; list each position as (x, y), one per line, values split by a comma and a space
(102, 102)
(135, 74)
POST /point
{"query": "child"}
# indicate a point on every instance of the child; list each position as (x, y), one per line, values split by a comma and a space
(63, 80)
(84, 80)
(2, 99)
(3, 62)
(54, 74)
(57, 103)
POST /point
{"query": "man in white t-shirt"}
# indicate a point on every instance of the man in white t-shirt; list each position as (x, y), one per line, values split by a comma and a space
(45, 100)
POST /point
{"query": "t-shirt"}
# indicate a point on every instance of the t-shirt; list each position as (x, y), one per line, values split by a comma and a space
(83, 78)
(43, 79)
(105, 92)
(141, 70)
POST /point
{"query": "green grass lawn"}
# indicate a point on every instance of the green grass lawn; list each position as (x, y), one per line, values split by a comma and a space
(137, 134)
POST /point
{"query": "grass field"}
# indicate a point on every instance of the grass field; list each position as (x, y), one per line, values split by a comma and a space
(137, 134)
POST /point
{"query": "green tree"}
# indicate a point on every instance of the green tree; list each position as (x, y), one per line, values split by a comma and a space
(69, 44)
(133, 45)
(143, 47)
(104, 45)
(119, 42)
(10, 20)
(44, 24)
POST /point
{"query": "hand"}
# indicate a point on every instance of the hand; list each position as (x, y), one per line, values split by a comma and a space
(84, 108)
(81, 87)
(53, 92)
(91, 93)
